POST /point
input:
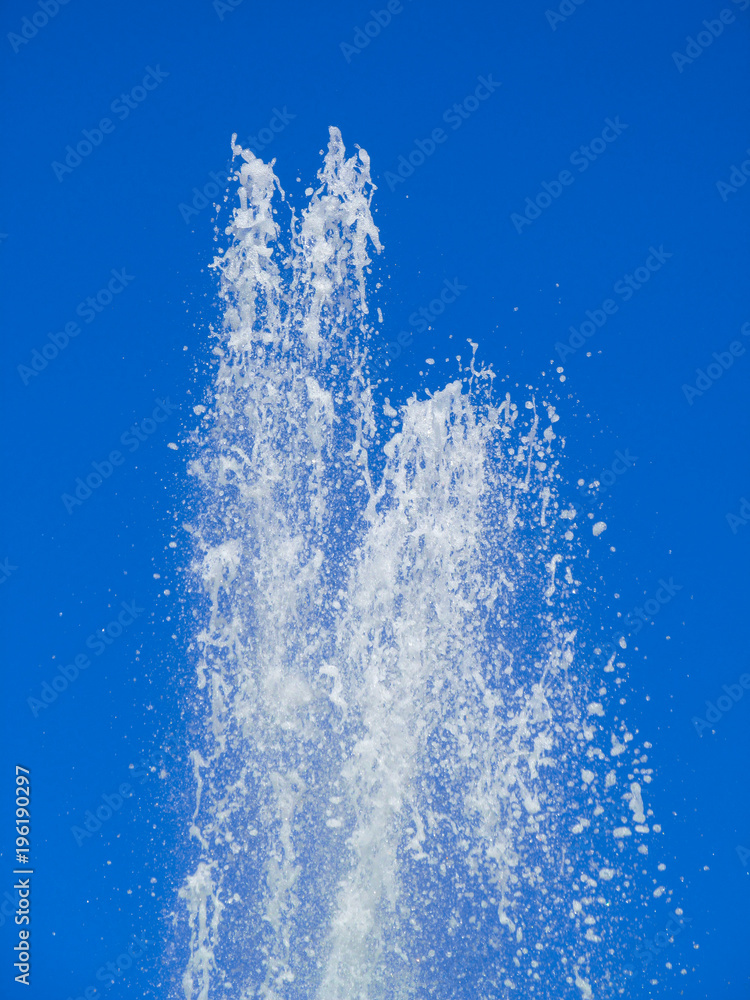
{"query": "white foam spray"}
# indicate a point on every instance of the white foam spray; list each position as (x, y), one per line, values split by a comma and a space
(401, 791)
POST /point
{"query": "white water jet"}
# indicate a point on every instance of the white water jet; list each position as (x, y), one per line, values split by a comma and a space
(401, 792)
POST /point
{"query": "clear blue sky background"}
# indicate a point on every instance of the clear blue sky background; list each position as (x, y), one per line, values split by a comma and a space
(232, 69)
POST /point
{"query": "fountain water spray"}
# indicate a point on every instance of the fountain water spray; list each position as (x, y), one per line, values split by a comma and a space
(403, 790)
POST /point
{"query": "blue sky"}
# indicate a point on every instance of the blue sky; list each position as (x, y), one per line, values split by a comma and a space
(583, 173)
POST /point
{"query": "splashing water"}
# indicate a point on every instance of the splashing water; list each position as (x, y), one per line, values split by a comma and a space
(401, 791)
